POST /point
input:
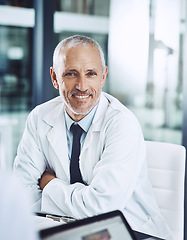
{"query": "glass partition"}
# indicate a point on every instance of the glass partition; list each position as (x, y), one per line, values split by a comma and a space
(146, 63)
(15, 68)
(89, 7)
(16, 30)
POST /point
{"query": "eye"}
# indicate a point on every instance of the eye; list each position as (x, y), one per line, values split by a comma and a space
(69, 74)
(92, 73)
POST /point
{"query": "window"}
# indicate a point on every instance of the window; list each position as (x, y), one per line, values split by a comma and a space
(16, 30)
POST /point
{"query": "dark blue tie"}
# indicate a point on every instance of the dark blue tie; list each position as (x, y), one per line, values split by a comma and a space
(75, 175)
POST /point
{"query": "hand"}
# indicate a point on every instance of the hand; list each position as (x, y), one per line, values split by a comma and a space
(45, 179)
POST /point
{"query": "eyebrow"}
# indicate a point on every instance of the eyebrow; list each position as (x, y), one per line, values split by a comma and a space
(88, 70)
(71, 70)
(93, 69)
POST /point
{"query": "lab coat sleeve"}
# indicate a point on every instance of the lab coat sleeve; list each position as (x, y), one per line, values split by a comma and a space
(30, 161)
(114, 176)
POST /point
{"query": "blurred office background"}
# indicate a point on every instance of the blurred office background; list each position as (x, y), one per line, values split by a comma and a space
(145, 46)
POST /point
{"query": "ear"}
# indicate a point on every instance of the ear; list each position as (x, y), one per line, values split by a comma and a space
(53, 78)
(104, 77)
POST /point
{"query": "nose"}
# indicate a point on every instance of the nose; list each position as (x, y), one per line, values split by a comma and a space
(82, 83)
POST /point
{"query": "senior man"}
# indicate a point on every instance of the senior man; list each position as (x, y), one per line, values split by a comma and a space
(83, 153)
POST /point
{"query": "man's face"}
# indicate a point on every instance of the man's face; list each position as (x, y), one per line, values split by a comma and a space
(80, 79)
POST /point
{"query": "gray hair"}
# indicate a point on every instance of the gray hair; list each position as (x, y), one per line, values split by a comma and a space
(74, 41)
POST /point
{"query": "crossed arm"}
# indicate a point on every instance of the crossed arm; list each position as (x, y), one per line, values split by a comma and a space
(45, 179)
(112, 176)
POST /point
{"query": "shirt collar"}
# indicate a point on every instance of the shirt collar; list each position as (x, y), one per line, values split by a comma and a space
(84, 123)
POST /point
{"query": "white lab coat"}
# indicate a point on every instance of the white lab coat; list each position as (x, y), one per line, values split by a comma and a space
(112, 163)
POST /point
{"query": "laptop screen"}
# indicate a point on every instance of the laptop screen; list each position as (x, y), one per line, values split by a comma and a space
(110, 226)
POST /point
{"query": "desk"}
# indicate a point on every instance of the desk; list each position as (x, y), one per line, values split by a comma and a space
(44, 223)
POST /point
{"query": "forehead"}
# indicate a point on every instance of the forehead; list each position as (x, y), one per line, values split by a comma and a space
(81, 55)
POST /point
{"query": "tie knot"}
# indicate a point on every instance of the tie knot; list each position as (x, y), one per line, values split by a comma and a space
(76, 130)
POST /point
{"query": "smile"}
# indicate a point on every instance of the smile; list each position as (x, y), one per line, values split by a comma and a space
(82, 96)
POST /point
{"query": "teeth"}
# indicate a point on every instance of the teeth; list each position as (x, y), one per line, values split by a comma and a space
(85, 96)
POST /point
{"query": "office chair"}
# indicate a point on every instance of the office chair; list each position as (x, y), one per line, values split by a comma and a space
(166, 169)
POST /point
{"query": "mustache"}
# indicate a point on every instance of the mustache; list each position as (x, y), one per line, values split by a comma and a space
(78, 92)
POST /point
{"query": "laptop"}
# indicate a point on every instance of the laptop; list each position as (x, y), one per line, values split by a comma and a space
(107, 226)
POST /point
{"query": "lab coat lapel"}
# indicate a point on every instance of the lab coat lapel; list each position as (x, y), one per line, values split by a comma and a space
(57, 136)
(97, 121)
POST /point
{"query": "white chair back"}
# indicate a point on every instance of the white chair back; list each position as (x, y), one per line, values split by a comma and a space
(166, 167)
